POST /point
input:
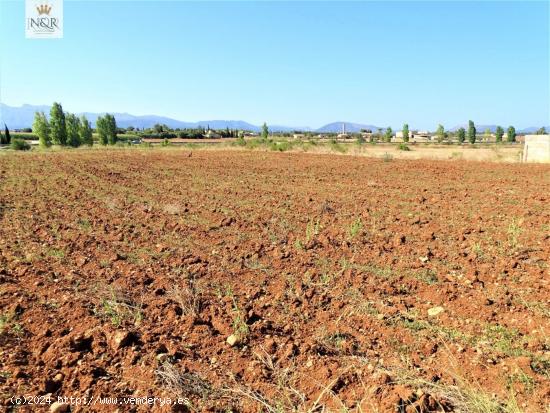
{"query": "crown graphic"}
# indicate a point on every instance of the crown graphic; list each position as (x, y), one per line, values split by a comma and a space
(44, 9)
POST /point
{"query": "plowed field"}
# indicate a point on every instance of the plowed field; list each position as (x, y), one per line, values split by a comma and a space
(249, 281)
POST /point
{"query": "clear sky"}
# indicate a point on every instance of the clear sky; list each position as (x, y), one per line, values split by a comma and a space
(289, 63)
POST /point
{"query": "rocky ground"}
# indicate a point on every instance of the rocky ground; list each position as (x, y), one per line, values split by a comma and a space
(250, 281)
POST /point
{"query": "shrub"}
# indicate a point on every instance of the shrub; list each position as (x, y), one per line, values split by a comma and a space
(20, 145)
(403, 147)
(25, 136)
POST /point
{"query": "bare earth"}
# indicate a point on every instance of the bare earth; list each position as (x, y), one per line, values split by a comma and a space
(344, 283)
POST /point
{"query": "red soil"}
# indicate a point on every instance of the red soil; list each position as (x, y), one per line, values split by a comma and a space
(117, 266)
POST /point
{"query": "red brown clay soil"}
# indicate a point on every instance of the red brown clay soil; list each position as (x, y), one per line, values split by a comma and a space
(123, 273)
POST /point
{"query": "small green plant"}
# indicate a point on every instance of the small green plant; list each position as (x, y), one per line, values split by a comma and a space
(312, 229)
(166, 142)
(427, 276)
(17, 329)
(240, 328)
(477, 250)
(19, 145)
(355, 228)
(117, 307)
(514, 231)
(403, 147)
(56, 253)
(387, 157)
(6, 320)
(84, 224)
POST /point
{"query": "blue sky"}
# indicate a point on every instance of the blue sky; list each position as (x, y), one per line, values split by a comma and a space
(289, 63)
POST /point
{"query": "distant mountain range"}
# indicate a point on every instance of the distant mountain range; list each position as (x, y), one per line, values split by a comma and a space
(23, 116)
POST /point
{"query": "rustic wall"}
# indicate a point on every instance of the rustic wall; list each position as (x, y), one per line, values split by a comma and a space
(536, 148)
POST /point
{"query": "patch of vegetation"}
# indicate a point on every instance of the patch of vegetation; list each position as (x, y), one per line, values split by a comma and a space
(112, 304)
(313, 228)
(239, 326)
(505, 340)
(403, 147)
(524, 380)
(337, 147)
(20, 145)
(56, 253)
(355, 228)
(427, 276)
(463, 395)
(514, 231)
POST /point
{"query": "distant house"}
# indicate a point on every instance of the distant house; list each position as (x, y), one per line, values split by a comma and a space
(414, 136)
(210, 134)
(420, 136)
(298, 136)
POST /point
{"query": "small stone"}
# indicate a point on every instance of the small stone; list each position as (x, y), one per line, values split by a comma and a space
(434, 311)
(162, 357)
(233, 340)
(424, 260)
(121, 339)
(59, 407)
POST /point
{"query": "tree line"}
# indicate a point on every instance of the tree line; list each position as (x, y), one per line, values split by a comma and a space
(66, 129)
(471, 134)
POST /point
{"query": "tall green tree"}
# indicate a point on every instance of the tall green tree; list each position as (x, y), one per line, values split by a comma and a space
(58, 127)
(471, 132)
(101, 126)
(498, 134)
(440, 133)
(106, 129)
(41, 127)
(511, 135)
(541, 131)
(388, 134)
(461, 134)
(85, 131)
(265, 131)
(112, 136)
(405, 132)
(73, 130)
